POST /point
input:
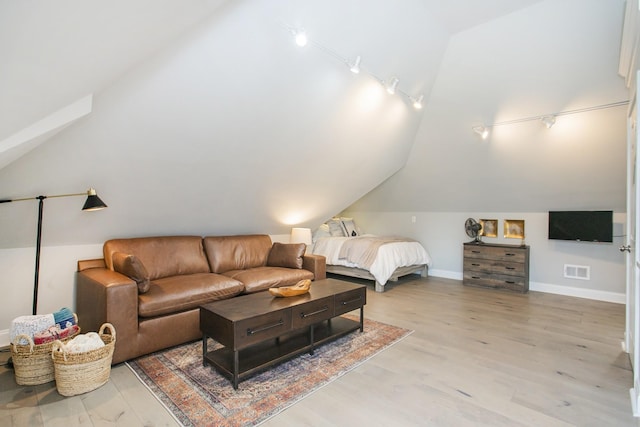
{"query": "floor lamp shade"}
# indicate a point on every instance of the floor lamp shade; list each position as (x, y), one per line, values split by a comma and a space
(93, 203)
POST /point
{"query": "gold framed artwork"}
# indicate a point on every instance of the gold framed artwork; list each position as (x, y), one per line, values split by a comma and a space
(514, 228)
(489, 227)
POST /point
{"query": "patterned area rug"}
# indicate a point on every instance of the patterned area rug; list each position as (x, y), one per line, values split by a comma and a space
(198, 395)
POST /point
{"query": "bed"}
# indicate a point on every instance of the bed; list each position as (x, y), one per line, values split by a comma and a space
(366, 256)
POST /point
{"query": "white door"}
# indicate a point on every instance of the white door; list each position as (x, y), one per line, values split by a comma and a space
(632, 251)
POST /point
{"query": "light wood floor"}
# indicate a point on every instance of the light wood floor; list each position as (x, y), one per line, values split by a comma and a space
(477, 357)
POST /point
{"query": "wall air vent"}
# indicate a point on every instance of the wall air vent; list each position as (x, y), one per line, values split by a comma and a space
(582, 272)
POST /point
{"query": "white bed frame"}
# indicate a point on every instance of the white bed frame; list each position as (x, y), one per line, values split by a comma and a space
(364, 274)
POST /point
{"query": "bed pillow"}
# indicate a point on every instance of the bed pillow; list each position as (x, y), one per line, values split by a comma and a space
(322, 231)
(350, 227)
(288, 255)
(336, 228)
(132, 267)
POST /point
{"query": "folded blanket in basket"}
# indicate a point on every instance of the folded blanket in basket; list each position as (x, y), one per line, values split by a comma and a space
(84, 342)
(64, 318)
(30, 325)
(54, 333)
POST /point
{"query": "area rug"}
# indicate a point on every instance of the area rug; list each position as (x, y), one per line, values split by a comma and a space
(199, 396)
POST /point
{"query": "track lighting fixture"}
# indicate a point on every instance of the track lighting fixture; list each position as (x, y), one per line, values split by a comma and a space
(483, 131)
(548, 121)
(392, 85)
(417, 103)
(355, 67)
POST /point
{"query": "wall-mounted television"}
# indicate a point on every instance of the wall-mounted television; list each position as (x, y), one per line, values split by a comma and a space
(583, 226)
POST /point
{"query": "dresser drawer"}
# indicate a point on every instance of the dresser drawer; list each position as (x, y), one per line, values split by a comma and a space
(259, 328)
(349, 301)
(312, 313)
(496, 281)
(495, 253)
(494, 266)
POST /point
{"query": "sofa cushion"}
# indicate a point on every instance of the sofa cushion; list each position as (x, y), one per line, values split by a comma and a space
(288, 255)
(227, 253)
(131, 266)
(262, 278)
(185, 292)
(162, 256)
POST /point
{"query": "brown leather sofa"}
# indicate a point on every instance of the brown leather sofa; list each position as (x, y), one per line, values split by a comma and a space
(150, 288)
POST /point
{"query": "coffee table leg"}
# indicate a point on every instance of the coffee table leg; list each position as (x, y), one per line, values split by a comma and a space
(204, 349)
(312, 350)
(362, 318)
(236, 362)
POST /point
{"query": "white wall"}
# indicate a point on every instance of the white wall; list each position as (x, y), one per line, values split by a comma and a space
(442, 234)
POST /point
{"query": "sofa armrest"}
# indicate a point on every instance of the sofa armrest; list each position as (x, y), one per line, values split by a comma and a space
(317, 264)
(105, 296)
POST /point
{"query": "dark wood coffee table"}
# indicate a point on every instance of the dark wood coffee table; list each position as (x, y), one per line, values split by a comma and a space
(259, 330)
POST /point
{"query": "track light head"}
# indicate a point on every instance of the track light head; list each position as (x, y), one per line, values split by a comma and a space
(417, 103)
(548, 121)
(355, 67)
(483, 131)
(392, 85)
(300, 37)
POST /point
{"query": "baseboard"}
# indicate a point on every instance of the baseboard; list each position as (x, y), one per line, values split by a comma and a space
(4, 338)
(445, 274)
(634, 402)
(593, 294)
(618, 298)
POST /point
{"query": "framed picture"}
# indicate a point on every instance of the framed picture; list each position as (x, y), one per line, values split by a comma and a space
(489, 227)
(514, 228)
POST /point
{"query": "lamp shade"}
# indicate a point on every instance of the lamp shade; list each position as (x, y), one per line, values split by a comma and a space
(93, 202)
(301, 235)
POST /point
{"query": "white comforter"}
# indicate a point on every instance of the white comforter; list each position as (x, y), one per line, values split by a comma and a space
(390, 256)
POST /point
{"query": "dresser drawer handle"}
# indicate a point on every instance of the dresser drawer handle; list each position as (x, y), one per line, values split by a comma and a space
(511, 282)
(475, 252)
(304, 315)
(475, 277)
(475, 265)
(351, 301)
(510, 268)
(264, 328)
(510, 254)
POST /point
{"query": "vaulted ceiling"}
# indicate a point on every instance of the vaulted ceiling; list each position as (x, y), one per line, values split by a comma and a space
(204, 117)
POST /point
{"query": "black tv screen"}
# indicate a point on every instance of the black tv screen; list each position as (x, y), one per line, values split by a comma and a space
(584, 226)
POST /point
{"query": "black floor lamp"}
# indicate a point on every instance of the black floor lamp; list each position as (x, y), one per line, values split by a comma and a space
(93, 203)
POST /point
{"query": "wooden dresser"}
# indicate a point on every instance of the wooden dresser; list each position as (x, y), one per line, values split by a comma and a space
(496, 266)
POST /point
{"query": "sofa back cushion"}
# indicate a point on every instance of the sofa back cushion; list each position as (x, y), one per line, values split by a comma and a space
(164, 256)
(227, 253)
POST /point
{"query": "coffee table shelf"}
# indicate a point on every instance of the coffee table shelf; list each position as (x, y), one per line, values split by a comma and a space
(265, 354)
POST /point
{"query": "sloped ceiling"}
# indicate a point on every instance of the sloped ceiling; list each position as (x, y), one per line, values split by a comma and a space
(206, 118)
(551, 57)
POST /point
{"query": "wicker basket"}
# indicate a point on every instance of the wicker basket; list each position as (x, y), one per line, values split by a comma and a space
(78, 373)
(32, 363)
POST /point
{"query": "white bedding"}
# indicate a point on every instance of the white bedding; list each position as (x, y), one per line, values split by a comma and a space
(390, 256)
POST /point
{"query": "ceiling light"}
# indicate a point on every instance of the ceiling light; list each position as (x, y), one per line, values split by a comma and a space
(482, 131)
(548, 121)
(393, 84)
(300, 37)
(355, 67)
(417, 103)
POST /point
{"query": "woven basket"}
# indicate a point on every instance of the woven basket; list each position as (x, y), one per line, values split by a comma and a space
(32, 363)
(78, 373)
